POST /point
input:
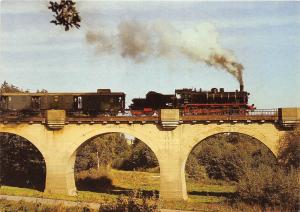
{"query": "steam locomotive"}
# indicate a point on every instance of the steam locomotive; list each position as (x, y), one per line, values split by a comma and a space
(105, 102)
(194, 102)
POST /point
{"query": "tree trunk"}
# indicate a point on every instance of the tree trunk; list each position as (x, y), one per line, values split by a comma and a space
(98, 161)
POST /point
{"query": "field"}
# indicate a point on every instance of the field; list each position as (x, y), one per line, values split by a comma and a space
(210, 196)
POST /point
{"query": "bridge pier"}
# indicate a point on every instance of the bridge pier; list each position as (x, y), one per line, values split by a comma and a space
(172, 177)
(60, 175)
(172, 165)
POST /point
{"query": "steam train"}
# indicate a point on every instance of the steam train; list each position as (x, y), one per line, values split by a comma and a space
(105, 102)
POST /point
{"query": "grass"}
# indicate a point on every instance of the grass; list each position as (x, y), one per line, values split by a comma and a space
(7, 205)
(83, 196)
(201, 195)
(136, 180)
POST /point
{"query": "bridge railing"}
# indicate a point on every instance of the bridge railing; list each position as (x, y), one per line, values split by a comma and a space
(256, 112)
(263, 112)
(235, 112)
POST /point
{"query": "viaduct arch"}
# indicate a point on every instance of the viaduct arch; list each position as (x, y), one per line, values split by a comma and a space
(28, 138)
(78, 142)
(27, 135)
(171, 147)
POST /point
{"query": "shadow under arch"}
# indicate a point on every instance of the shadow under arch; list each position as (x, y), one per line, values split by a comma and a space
(22, 164)
(104, 180)
(257, 149)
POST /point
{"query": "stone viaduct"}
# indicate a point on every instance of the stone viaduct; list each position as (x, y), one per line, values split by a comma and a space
(169, 138)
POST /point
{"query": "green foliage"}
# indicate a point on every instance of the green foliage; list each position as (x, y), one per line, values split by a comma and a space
(22, 206)
(21, 164)
(94, 180)
(270, 188)
(6, 87)
(276, 187)
(141, 157)
(10, 88)
(135, 202)
(103, 151)
(194, 169)
(227, 157)
(65, 14)
(289, 149)
(113, 150)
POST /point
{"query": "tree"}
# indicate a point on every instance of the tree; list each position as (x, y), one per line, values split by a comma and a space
(228, 156)
(66, 14)
(289, 149)
(141, 158)
(113, 150)
(269, 187)
(21, 164)
(6, 87)
(103, 151)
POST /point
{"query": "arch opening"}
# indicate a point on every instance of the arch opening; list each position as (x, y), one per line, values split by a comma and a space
(116, 163)
(217, 163)
(21, 163)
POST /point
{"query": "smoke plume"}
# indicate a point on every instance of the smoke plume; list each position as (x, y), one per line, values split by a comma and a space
(139, 41)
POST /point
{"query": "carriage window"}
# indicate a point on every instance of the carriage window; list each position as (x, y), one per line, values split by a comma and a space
(9, 98)
(79, 102)
(55, 98)
(36, 101)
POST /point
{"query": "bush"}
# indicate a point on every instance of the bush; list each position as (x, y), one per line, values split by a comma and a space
(22, 206)
(94, 180)
(135, 202)
(289, 149)
(269, 187)
(194, 169)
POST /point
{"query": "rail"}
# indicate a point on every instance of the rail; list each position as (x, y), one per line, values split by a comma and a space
(256, 112)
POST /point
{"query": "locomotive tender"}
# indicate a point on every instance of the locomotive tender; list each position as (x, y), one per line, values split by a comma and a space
(105, 102)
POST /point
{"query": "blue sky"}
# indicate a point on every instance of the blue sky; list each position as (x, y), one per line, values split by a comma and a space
(264, 37)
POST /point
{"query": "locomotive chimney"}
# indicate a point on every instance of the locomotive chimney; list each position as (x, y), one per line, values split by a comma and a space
(241, 87)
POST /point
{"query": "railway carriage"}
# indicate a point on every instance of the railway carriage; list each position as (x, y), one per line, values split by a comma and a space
(101, 102)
